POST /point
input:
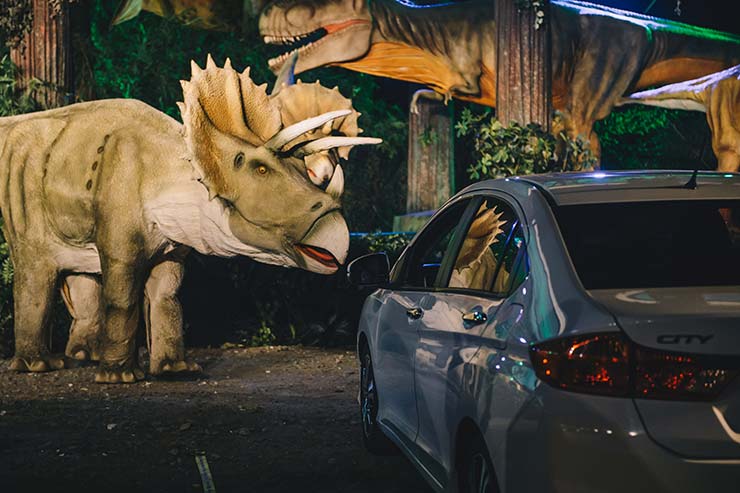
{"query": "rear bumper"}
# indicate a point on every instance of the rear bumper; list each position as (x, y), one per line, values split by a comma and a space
(571, 443)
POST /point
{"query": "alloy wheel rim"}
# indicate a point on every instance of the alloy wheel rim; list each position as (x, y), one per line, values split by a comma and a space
(369, 397)
(480, 475)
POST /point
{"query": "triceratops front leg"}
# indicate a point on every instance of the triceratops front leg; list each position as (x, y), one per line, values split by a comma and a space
(163, 317)
(33, 292)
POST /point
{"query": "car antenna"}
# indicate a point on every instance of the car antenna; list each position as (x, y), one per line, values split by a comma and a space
(691, 184)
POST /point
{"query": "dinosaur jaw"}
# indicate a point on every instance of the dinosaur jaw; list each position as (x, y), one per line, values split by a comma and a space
(336, 38)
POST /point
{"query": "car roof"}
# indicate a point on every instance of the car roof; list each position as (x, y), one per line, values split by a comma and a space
(625, 186)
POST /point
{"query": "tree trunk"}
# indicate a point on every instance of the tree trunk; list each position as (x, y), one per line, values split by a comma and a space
(430, 156)
(523, 92)
(45, 54)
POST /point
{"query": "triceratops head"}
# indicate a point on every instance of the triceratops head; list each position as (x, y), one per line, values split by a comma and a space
(256, 152)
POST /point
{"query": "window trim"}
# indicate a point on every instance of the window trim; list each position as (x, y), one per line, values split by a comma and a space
(475, 200)
(465, 219)
(487, 294)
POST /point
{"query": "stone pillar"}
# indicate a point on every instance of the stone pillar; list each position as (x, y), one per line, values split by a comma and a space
(523, 69)
(431, 153)
(45, 54)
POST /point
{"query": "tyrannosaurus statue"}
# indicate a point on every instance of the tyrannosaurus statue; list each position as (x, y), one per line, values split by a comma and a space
(599, 54)
(106, 198)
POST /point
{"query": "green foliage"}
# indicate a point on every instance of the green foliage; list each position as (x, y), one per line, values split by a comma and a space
(11, 101)
(502, 151)
(147, 57)
(16, 18)
(639, 137)
(263, 337)
(392, 244)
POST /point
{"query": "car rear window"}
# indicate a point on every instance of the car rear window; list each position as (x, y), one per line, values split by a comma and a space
(653, 244)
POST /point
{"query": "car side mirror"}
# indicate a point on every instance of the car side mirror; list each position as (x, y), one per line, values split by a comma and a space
(369, 271)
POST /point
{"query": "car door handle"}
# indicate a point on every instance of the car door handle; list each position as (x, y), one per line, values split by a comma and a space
(415, 313)
(474, 318)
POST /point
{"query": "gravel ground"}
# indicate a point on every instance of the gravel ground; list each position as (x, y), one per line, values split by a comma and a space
(267, 419)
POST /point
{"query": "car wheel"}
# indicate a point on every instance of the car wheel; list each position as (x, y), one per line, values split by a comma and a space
(372, 437)
(474, 470)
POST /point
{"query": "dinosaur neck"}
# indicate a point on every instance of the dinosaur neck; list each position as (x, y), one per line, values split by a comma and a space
(446, 47)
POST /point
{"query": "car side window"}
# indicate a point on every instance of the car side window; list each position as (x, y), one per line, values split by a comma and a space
(423, 261)
(491, 257)
(515, 266)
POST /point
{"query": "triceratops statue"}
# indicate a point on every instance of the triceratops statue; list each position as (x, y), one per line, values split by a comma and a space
(105, 198)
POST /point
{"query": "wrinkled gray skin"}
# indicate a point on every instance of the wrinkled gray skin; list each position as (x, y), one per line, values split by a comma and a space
(81, 194)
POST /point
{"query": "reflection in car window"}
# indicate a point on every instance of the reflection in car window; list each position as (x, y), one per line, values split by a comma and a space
(424, 260)
(656, 244)
(490, 250)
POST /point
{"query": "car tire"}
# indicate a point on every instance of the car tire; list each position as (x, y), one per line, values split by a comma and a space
(373, 437)
(475, 472)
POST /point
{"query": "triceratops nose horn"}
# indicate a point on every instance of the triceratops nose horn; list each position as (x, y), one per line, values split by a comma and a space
(286, 77)
(297, 129)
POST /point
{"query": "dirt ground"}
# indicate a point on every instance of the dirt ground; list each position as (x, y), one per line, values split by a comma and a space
(267, 419)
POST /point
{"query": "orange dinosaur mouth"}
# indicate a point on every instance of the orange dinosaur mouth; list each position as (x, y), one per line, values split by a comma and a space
(303, 42)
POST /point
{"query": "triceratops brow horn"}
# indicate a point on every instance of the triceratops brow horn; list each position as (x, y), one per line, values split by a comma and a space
(335, 188)
(327, 143)
(297, 129)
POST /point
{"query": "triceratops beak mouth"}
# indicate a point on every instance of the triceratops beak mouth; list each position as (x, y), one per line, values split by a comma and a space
(324, 247)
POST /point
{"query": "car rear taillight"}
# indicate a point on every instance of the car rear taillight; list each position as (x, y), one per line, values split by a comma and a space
(611, 364)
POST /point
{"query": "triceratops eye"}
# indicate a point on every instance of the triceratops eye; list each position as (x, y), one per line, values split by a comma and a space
(239, 160)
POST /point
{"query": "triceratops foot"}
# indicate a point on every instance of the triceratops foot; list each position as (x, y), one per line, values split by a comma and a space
(118, 374)
(37, 364)
(168, 366)
(82, 353)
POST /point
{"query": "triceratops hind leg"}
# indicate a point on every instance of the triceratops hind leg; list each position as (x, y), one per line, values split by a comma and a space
(163, 316)
(34, 287)
(82, 295)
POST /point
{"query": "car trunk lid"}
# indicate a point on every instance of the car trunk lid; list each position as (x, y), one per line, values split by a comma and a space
(698, 321)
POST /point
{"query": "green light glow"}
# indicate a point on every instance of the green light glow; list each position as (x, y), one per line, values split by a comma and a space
(648, 22)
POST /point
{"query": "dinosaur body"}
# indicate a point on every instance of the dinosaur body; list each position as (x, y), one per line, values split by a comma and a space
(107, 197)
(717, 95)
(599, 54)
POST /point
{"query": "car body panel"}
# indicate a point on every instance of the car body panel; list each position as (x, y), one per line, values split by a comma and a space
(396, 340)
(546, 439)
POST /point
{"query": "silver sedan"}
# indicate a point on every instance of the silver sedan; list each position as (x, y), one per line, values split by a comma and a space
(562, 333)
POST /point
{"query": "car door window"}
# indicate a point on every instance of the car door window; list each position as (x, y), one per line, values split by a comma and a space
(422, 263)
(491, 252)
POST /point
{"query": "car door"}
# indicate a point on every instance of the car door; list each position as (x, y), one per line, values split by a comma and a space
(465, 303)
(397, 336)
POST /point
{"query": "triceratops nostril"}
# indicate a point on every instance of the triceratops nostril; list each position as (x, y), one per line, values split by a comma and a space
(317, 206)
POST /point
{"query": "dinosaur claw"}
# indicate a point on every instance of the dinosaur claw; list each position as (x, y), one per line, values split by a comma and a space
(37, 364)
(175, 367)
(18, 364)
(119, 375)
(80, 355)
